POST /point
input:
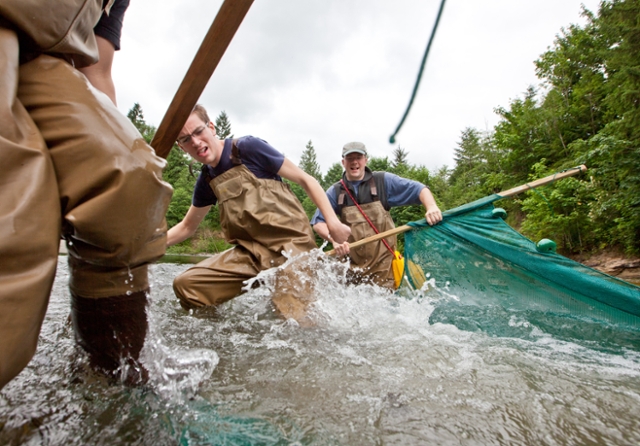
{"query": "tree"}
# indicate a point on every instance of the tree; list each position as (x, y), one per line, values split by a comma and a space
(379, 164)
(136, 116)
(399, 163)
(309, 163)
(223, 126)
(333, 175)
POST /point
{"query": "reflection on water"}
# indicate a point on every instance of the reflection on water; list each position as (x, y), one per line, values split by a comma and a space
(373, 370)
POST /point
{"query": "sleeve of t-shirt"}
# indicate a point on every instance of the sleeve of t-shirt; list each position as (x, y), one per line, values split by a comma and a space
(317, 216)
(260, 157)
(109, 27)
(402, 191)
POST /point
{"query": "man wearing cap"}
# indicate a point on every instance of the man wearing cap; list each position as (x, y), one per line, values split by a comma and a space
(375, 193)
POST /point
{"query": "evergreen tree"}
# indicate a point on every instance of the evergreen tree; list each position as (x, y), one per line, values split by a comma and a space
(399, 164)
(223, 126)
(136, 116)
(309, 163)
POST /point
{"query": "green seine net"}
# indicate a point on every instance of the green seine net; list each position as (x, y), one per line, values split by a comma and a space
(489, 272)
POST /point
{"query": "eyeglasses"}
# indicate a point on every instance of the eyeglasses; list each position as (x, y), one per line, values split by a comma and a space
(187, 139)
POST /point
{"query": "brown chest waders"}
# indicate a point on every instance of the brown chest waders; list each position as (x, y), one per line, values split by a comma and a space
(373, 260)
(262, 218)
(72, 163)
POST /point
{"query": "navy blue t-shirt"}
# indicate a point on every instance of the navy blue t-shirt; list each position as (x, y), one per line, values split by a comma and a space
(257, 155)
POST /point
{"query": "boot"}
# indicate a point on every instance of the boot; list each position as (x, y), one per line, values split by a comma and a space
(112, 330)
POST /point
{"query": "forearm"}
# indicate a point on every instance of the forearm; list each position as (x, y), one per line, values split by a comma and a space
(432, 214)
(319, 198)
(322, 230)
(341, 249)
(178, 233)
(427, 199)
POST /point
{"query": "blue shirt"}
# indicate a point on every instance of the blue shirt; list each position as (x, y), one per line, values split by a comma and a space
(257, 155)
(400, 192)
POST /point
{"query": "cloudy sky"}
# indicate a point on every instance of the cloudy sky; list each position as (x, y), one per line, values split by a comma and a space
(334, 71)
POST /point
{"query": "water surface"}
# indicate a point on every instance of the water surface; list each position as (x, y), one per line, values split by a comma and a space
(373, 371)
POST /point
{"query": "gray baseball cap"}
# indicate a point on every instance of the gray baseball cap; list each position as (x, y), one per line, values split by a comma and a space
(354, 147)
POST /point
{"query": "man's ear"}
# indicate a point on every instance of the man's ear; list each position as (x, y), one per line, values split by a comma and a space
(213, 128)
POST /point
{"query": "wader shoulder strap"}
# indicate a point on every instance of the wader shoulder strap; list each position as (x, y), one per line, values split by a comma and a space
(205, 173)
(235, 153)
(381, 191)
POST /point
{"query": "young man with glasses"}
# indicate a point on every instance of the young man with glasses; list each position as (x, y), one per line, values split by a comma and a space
(258, 213)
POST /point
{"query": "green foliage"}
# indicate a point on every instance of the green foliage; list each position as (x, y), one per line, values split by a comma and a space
(177, 174)
(615, 175)
(136, 116)
(223, 126)
(590, 113)
(559, 211)
(400, 164)
(379, 164)
(309, 162)
(333, 175)
(476, 163)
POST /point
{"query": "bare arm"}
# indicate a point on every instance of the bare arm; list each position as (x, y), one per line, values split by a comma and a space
(290, 171)
(99, 74)
(433, 214)
(187, 227)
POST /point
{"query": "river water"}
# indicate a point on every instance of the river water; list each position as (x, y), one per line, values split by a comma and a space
(372, 371)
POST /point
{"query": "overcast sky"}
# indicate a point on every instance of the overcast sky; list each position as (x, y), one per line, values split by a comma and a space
(334, 71)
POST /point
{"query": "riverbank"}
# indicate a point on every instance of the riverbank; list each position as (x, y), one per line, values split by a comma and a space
(612, 263)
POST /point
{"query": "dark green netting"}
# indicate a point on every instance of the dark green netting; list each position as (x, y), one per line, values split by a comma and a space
(489, 272)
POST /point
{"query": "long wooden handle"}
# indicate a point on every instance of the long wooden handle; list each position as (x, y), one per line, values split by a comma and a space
(504, 194)
(206, 60)
(546, 180)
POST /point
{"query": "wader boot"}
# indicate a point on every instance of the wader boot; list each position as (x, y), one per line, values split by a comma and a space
(112, 330)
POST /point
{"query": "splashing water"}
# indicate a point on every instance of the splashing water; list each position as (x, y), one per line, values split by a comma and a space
(376, 368)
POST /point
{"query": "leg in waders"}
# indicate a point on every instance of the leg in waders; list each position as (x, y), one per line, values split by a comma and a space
(73, 163)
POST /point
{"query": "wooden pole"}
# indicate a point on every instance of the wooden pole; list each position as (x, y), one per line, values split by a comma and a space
(504, 194)
(213, 47)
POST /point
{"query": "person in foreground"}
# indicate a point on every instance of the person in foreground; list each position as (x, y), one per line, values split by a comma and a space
(375, 193)
(258, 213)
(72, 164)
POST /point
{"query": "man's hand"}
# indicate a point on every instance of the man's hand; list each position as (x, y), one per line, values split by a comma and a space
(433, 215)
(341, 249)
(338, 232)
